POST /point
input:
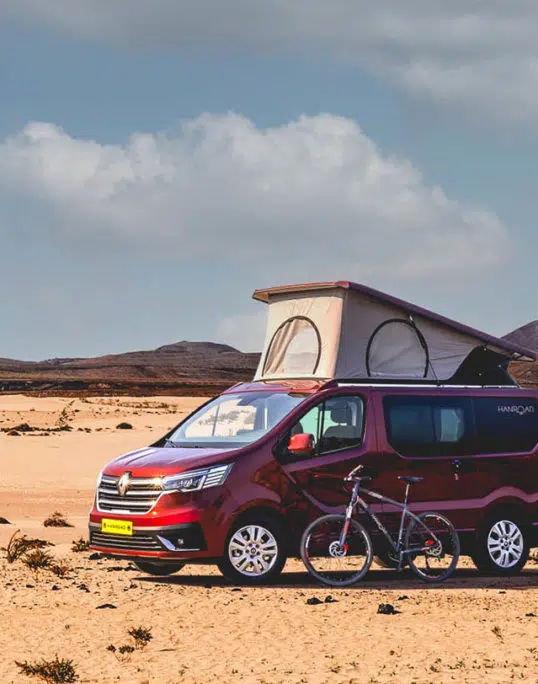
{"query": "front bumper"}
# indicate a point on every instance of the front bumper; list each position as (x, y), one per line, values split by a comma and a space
(185, 540)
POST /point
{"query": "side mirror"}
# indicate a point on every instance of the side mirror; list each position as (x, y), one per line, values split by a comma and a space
(301, 444)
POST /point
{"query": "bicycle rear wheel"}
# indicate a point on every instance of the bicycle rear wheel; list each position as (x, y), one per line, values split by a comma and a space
(433, 547)
(329, 562)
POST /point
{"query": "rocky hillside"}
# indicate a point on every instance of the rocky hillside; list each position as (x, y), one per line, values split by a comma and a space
(195, 368)
(525, 373)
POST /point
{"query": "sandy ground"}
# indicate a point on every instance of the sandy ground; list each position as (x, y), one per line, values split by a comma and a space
(472, 629)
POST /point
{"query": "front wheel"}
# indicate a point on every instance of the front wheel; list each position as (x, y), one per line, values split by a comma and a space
(432, 547)
(329, 561)
(255, 552)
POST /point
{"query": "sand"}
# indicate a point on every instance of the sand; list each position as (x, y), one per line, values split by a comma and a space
(471, 629)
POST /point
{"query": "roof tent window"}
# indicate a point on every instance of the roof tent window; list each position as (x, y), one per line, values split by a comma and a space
(397, 348)
(294, 350)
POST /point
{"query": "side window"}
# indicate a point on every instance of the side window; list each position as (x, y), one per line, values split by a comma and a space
(429, 426)
(506, 425)
(336, 424)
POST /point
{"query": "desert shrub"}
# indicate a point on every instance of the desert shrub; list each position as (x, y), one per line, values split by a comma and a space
(63, 418)
(19, 544)
(56, 520)
(57, 671)
(122, 653)
(80, 545)
(37, 560)
(141, 636)
(61, 569)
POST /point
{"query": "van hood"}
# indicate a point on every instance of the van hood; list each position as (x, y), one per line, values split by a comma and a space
(158, 462)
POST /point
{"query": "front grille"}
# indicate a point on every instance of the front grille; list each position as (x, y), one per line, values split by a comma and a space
(139, 498)
(138, 542)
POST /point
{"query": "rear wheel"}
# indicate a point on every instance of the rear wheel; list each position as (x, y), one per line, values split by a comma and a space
(159, 569)
(327, 560)
(433, 547)
(502, 546)
(254, 551)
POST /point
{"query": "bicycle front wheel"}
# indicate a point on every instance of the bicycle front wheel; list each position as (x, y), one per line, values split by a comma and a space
(432, 547)
(329, 561)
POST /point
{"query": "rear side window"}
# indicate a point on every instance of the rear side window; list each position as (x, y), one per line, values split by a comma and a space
(429, 426)
(506, 425)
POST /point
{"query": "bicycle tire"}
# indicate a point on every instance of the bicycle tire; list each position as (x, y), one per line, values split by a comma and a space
(320, 549)
(450, 546)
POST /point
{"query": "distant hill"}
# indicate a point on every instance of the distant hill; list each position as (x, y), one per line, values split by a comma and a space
(196, 368)
(527, 336)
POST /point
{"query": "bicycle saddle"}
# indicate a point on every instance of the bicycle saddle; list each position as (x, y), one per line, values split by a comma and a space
(410, 479)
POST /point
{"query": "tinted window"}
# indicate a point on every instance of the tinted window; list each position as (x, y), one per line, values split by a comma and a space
(506, 425)
(335, 424)
(429, 426)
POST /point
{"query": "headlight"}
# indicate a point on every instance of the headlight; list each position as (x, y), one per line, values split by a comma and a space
(195, 480)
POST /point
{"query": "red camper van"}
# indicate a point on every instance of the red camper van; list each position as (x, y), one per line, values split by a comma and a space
(370, 379)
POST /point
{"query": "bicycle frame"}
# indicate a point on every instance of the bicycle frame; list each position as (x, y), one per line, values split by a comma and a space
(357, 501)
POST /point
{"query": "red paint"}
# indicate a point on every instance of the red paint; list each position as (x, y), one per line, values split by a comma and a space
(302, 489)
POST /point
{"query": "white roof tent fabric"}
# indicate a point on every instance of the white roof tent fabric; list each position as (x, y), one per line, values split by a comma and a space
(342, 330)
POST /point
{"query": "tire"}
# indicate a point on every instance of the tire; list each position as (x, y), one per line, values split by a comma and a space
(159, 569)
(255, 551)
(502, 545)
(323, 558)
(437, 561)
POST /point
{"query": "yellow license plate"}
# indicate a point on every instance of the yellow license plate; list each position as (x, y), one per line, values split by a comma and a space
(117, 526)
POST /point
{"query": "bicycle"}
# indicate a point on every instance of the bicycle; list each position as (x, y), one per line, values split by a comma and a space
(429, 543)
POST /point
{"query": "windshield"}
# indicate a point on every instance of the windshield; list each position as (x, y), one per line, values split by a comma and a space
(235, 420)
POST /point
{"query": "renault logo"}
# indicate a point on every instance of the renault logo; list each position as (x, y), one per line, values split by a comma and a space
(123, 483)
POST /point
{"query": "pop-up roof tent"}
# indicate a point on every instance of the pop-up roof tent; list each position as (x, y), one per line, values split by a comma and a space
(342, 330)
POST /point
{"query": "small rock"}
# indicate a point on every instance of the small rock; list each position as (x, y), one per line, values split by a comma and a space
(330, 599)
(55, 587)
(387, 609)
(83, 587)
(124, 426)
(4, 521)
(530, 614)
(404, 597)
(106, 605)
(236, 589)
(13, 433)
(30, 586)
(313, 601)
(94, 556)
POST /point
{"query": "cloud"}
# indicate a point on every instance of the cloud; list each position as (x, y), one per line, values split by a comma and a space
(481, 57)
(313, 196)
(314, 187)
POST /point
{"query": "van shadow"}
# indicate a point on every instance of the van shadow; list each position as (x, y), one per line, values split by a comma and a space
(375, 579)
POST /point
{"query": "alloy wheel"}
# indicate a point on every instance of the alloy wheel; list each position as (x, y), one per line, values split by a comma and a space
(253, 550)
(505, 544)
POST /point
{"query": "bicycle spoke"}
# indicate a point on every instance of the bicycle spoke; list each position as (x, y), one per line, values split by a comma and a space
(327, 559)
(435, 547)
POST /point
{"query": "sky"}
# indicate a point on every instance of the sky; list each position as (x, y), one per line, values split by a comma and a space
(160, 161)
